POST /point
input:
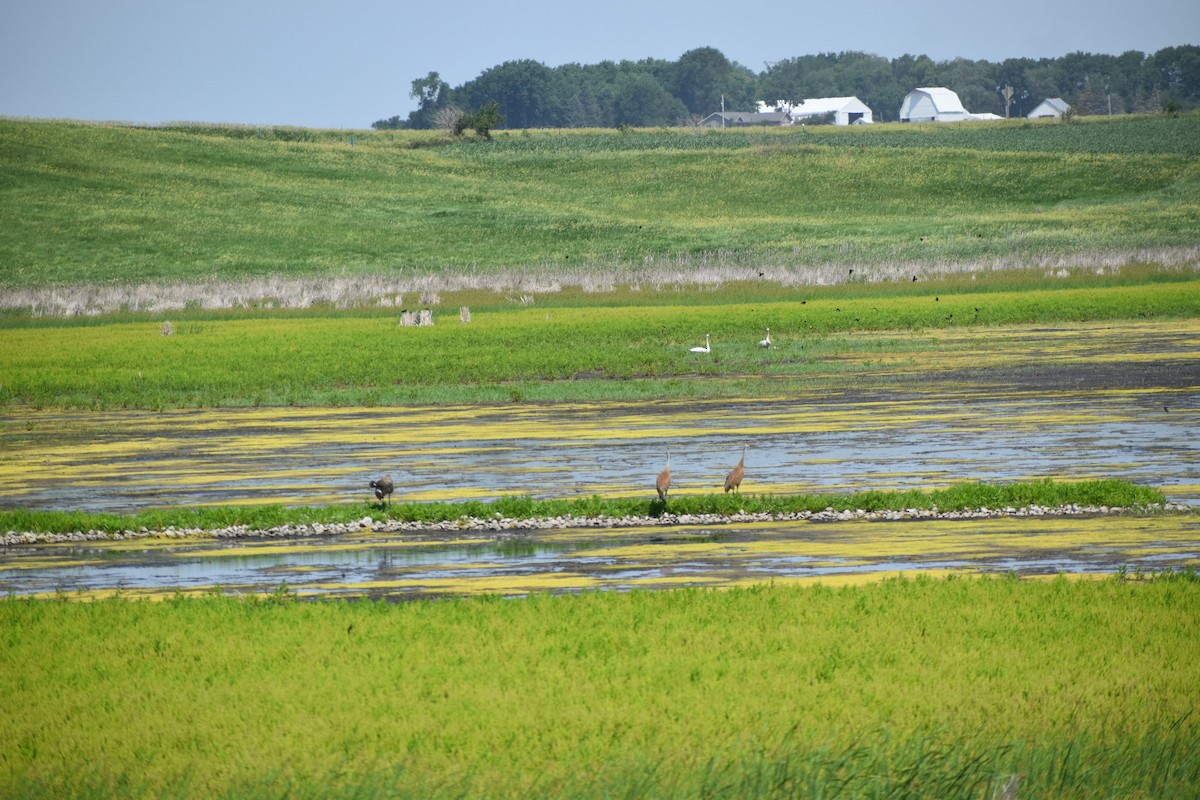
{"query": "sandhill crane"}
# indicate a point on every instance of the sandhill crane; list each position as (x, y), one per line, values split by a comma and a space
(664, 479)
(767, 341)
(734, 479)
(383, 489)
(707, 347)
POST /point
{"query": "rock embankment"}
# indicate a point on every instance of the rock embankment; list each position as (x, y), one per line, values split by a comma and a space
(502, 525)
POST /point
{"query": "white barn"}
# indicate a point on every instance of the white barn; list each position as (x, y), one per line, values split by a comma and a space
(1050, 107)
(933, 104)
(845, 110)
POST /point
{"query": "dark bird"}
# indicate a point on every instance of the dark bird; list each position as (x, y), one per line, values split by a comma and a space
(937, 299)
(914, 278)
(383, 489)
(734, 479)
(663, 484)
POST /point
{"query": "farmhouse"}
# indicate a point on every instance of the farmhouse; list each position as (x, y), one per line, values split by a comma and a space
(845, 110)
(1050, 107)
(932, 105)
(741, 119)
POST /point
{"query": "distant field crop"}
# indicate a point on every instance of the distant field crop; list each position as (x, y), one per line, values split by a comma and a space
(104, 204)
(906, 688)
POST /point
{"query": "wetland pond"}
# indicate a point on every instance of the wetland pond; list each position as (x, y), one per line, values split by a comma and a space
(570, 560)
(1114, 402)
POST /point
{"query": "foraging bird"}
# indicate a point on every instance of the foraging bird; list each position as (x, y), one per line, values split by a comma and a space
(664, 479)
(767, 341)
(734, 479)
(383, 488)
(706, 349)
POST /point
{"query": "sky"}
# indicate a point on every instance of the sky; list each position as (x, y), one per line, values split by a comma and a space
(348, 63)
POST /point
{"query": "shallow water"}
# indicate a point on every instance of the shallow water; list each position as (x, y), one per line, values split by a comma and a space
(1096, 401)
(879, 438)
(419, 565)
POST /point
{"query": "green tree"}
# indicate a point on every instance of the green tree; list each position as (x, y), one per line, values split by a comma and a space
(703, 75)
(524, 89)
(431, 93)
(641, 101)
(487, 118)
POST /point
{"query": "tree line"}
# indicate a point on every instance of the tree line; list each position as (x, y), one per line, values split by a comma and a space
(654, 92)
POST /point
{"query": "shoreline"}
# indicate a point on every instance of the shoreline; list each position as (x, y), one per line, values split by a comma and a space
(509, 527)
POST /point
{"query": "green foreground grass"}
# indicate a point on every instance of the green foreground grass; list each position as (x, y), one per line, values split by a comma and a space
(95, 204)
(966, 496)
(908, 688)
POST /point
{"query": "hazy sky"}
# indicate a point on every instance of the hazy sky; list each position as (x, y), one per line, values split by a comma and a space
(347, 63)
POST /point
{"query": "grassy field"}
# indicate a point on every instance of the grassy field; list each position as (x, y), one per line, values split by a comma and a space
(925, 688)
(100, 204)
(552, 350)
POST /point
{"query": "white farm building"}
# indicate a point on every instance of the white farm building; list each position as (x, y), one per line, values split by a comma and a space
(845, 110)
(1051, 107)
(932, 105)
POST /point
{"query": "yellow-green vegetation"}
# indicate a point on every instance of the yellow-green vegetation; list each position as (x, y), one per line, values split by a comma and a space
(98, 204)
(912, 688)
(619, 351)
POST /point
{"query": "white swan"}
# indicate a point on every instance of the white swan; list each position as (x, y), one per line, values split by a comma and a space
(706, 349)
(767, 341)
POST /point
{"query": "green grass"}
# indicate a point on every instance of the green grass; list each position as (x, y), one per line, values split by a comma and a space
(965, 496)
(908, 688)
(103, 204)
(549, 352)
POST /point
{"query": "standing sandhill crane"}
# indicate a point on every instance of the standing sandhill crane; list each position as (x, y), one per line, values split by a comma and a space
(383, 489)
(734, 479)
(767, 341)
(706, 349)
(664, 480)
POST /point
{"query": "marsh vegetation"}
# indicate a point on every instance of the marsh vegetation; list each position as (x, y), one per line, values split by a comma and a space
(910, 687)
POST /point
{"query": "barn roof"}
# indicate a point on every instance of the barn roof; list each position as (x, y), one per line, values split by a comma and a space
(823, 105)
(944, 100)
